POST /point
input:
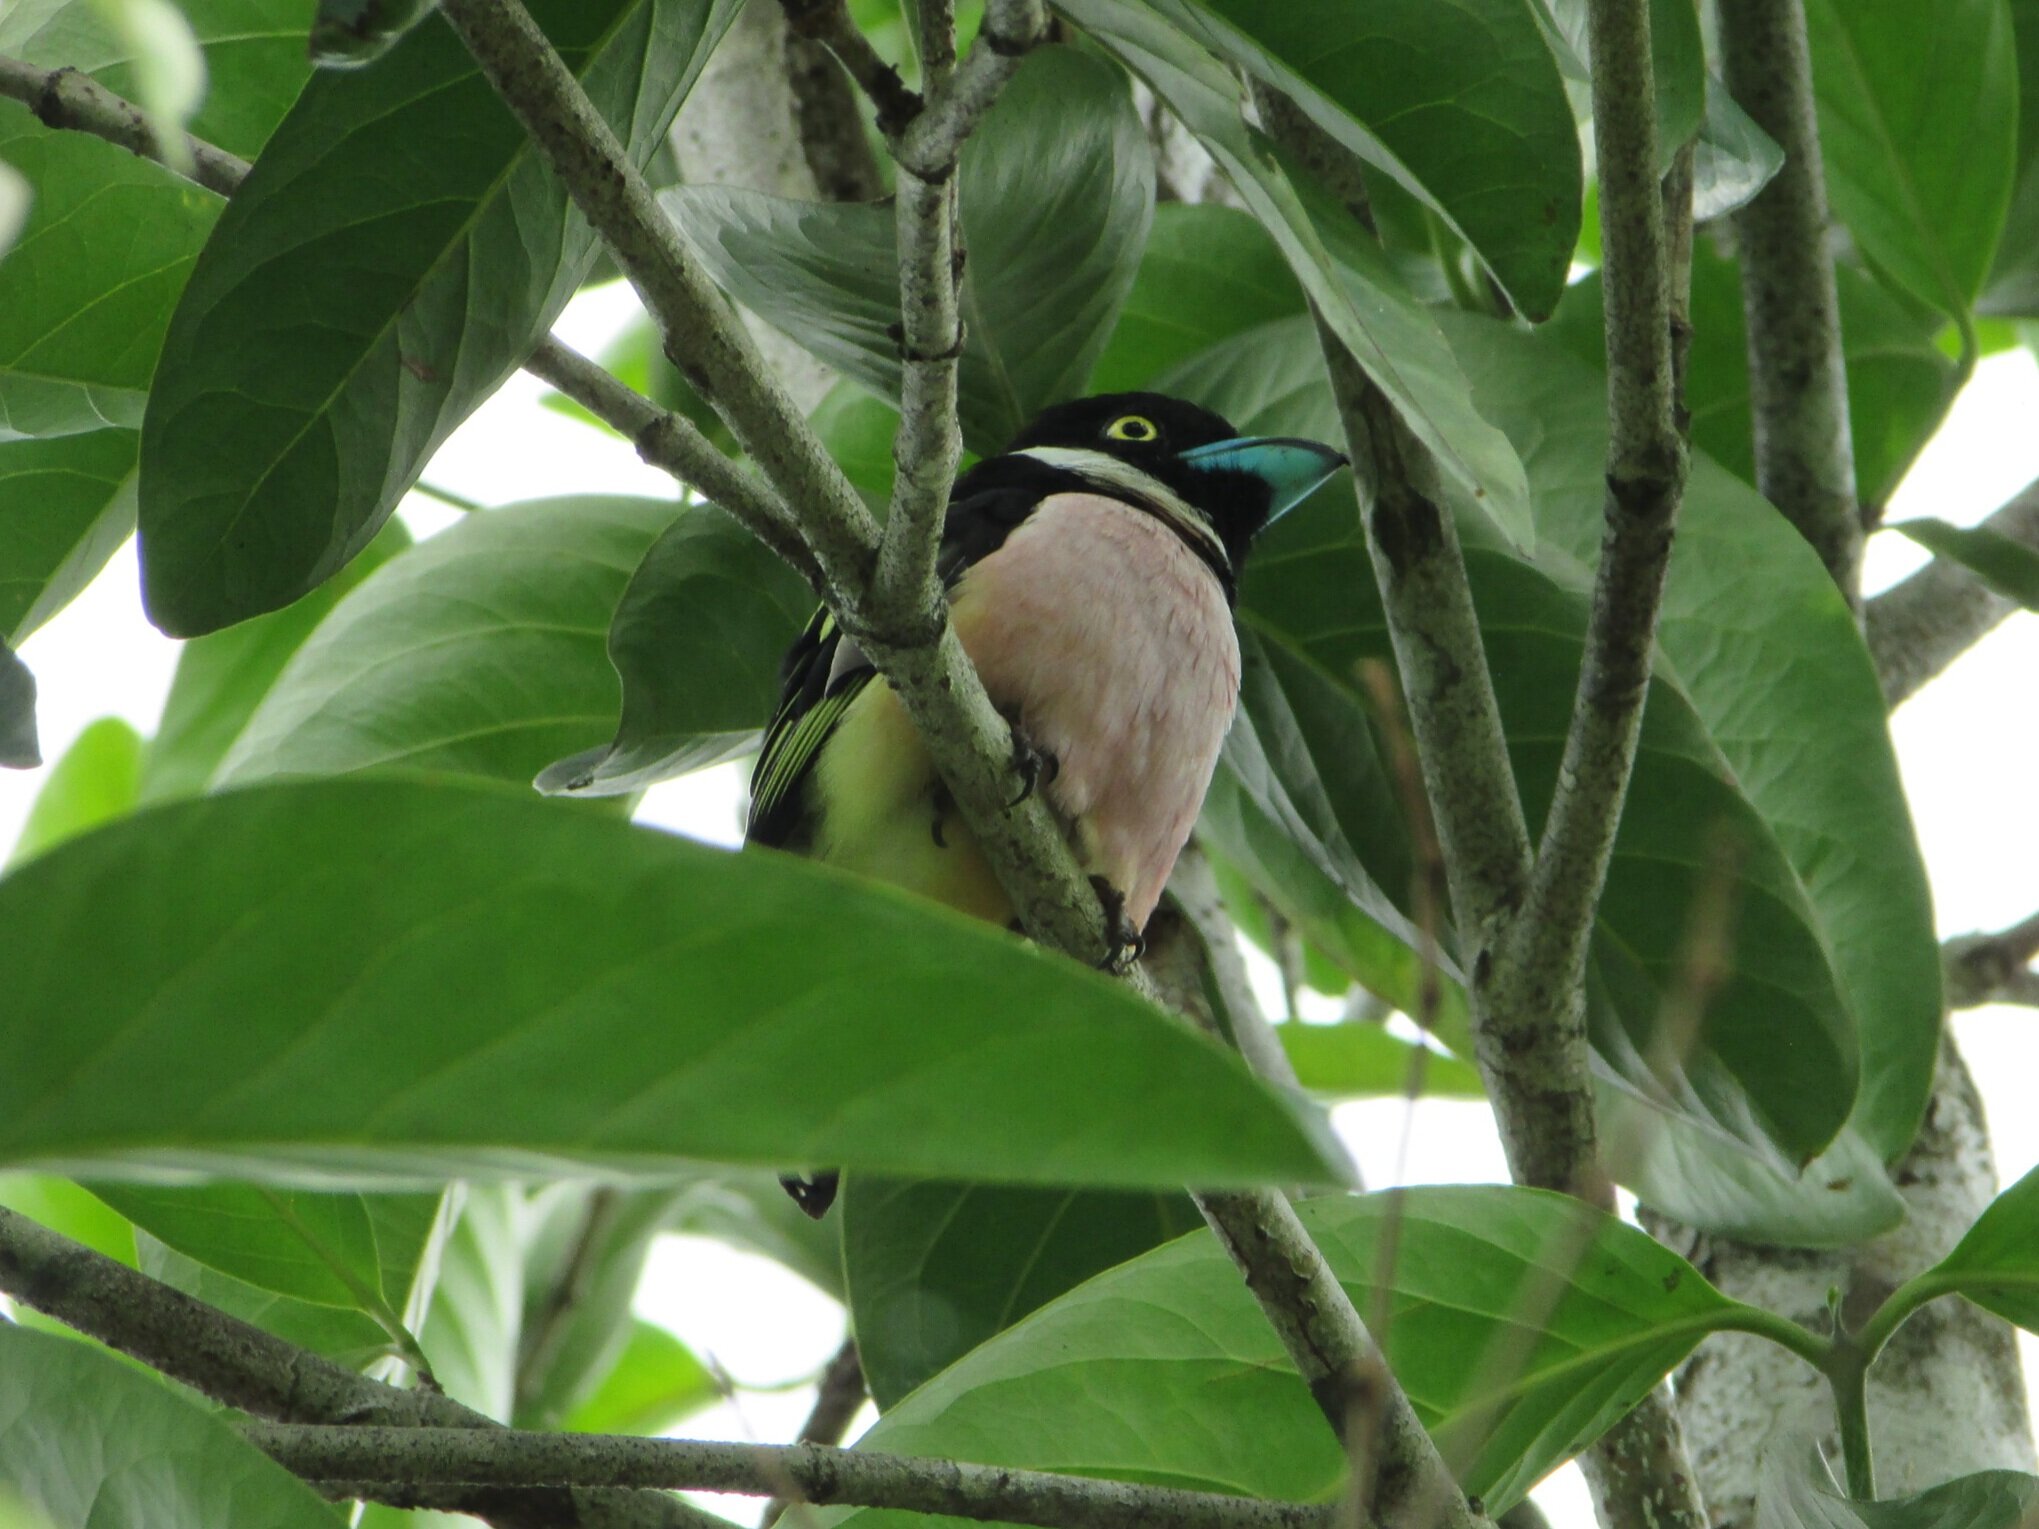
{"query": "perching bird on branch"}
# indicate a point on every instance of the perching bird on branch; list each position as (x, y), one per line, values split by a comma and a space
(1092, 570)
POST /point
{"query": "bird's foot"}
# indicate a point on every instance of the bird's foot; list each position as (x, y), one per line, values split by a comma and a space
(1124, 944)
(1034, 765)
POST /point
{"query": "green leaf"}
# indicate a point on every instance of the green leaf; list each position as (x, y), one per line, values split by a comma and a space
(696, 641)
(477, 652)
(1806, 1497)
(1392, 335)
(222, 677)
(462, 984)
(1677, 66)
(1899, 383)
(70, 1211)
(653, 1383)
(935, 1268)
(1757, 637)
(2009, 567)
(1208, 272)
(1358, 1061)
(1920, 142)
(86, 293)
(93, 783)
(471, 1328)
(309, 1246)
(1309, 589)
(1733, 158)
(1164, 1369)
(88, 1441)
(16, 196)
(347, 34)
(1461, 103)
(1996, 1264)
(1055, 192)
(19, 749)
(66, 505)
(341, 323)
(2013, 289)
(858, 429)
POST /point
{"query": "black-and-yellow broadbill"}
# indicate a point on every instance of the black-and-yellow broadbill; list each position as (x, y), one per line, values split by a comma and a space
(1092, 570)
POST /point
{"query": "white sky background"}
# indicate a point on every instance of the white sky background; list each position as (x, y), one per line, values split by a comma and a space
(1968, 746)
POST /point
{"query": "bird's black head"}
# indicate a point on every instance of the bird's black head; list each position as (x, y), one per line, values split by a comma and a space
(1234, 485)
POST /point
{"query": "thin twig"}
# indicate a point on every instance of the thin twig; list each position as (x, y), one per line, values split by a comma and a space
(1920, 626)
(365, 1457)
(239, 1364)
(64, 98)
(837, 1400)
(828, 23)
(1193, 885)
(1798, 380)
(832, 138)
(1993, 968)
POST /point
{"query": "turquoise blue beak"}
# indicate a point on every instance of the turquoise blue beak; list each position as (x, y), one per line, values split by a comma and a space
(1292, 469)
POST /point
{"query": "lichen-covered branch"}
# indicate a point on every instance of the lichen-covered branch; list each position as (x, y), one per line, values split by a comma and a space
(405, 1457)
(828, 23)
(1798, 379)
(66, 99)
(242, 1366)
(1918, 627)
(1993, 968)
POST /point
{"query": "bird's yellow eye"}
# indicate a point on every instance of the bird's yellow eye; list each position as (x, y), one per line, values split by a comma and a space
(1132, 427)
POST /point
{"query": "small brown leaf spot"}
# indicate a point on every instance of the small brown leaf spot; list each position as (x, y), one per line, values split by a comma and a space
(420, 370)
(1840, 1186)
(1672, 1281)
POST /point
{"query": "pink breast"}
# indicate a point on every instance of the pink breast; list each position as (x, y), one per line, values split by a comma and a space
(1112, 643)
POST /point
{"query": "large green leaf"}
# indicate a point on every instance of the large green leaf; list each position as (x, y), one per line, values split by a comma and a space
(1520, 1324)
(1309, 590)
(935, 1268)
(1460, 102)
(359, 298)
(303, 1244)
(1055, 193)
(1759, 640)
(433, 976)
(222, 677)
(696, 642)
(91, 1443)
(1356, 1060)
(113, 237)
(65, 506)
(479, 651)
(93, 783)
(1348, 278)
(1919, 133)
(1899, 383)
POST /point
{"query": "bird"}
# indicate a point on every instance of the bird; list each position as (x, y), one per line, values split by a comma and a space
(1092, 571)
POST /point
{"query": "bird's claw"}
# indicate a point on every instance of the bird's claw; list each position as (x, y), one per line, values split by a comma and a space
(1124, 944)
(1034, 765)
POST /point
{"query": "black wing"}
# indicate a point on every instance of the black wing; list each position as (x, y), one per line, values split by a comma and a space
(825, 671)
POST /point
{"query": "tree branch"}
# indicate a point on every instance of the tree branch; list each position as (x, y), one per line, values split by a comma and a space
(1993, 968)
(242, 1366)
(831, 129)
(1798, 380)
(66, 99)
(1920, 626)
(828, 23)
(365, 1457)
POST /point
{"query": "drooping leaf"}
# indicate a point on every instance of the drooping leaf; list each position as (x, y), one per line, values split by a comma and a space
(66, 505)
(1392, 335)
(1461, 103)
(2009, 567)
(478, 652)
(463, 984)
(1920, 142)
(306, 1245)
(88, 1441)
(471, 1327)
(1055, 193)
(934, 1268)
(1732, 159)
(652, 1384)
(1795, 1493)
(222, 677)
(19, 749)
(1164, 1369)
(1677, 66)
(1761, 643)
(359, 298)
(696, 642)
(1309, 589)
(93, 783)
